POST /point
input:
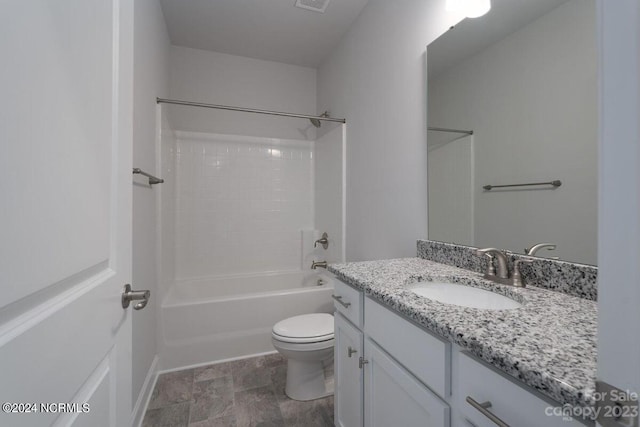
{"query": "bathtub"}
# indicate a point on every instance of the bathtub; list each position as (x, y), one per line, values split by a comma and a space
(208, 320)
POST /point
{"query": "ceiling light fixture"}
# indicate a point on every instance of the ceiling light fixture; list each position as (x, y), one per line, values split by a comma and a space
(471, 8)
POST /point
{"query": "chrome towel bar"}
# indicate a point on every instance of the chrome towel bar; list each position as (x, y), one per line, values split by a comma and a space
(152, 179)
(467, 132)
(556, 183)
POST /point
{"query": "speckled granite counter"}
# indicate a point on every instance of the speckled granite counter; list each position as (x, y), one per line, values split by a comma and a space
(549, 343)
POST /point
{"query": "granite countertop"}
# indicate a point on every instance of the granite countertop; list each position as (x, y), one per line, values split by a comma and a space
(549, 343)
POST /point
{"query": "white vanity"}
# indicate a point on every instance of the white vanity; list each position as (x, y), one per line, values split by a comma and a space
(390, 372)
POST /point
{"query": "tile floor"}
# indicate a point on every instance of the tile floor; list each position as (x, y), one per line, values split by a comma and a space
(242, 393)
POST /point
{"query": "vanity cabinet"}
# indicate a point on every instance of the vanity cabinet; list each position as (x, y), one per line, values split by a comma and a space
(374, 389)
(390, 372)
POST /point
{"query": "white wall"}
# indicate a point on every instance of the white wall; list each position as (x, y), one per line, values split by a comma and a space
(151, 52)
(375, 78)
(531, 100)
(329, 193)
(218, 78)
(241, 204)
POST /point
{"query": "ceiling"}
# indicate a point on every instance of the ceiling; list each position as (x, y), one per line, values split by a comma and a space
(273, 30)
(474, 35)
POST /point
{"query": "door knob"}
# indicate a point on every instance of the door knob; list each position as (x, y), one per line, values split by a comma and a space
(129, 295)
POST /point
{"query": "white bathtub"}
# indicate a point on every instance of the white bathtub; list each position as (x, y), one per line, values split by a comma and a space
(208, 320)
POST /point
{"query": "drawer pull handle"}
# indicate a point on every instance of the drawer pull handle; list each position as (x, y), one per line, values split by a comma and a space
(339, 300)
(484, 410)
(350, 351)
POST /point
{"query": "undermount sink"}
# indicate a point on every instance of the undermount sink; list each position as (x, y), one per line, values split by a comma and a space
(465, 296)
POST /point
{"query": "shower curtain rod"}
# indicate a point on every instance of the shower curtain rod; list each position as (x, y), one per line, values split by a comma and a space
(467, 132)
(247, 110)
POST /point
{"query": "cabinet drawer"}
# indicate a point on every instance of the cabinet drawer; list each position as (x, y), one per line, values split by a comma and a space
(348, 302)
(426, 356)
(511, 402)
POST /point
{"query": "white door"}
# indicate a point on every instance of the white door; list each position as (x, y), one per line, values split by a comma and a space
(65, 212)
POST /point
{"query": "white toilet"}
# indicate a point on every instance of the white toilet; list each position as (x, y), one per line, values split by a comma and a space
(307, 343)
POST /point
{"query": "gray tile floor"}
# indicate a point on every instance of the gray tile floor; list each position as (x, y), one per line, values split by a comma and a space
(242, 393)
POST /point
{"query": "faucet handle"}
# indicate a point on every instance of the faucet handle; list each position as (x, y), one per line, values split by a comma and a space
(316, 264)
(479, 252)
(491, 268)
(501, 271)
(324, 241)
(516, 276)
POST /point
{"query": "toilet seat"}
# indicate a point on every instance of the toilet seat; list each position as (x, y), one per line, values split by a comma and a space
(305, 329)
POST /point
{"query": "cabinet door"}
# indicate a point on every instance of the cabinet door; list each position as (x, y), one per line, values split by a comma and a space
(393, 397)
(348, 399)
(423, 354)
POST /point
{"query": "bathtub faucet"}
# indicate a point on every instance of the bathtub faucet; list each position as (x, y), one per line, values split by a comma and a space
(315, 265)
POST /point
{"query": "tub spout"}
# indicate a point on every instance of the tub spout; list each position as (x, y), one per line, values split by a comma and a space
(315, 264)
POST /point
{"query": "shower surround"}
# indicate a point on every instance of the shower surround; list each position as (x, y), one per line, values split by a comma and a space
(241, 204)
(237, 236)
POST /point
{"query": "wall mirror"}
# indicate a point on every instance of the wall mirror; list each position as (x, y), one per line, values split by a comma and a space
(512, 99)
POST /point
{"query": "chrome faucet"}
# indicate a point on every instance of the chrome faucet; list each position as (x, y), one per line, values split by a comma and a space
(315, 264)
(501, 275)
(502, 272)
(535, 248)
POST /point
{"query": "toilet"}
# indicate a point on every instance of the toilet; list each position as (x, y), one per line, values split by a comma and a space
(306, 342)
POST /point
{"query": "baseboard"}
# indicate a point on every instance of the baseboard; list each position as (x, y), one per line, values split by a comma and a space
(216, 362)
(137, 415)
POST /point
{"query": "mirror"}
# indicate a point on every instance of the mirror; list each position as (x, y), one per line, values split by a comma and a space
(523, 80)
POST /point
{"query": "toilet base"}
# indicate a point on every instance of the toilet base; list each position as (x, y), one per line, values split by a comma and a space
(306, 380)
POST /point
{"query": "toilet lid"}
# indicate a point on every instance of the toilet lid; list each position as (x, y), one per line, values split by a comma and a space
(307, 327)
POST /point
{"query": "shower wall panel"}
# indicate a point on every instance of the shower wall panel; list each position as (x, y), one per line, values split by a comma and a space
(167, 207)
(241, 204)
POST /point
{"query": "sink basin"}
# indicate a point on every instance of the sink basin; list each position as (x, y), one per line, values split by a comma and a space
(465, 296)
